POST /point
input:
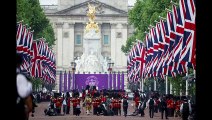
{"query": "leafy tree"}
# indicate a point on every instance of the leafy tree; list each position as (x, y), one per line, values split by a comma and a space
(176, 84)
(36, 83)
(33, 15)
(148, 83)
(143, 14)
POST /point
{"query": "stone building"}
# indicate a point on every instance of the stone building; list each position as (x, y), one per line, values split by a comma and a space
(69, 19)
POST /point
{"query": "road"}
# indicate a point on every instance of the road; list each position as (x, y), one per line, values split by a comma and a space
(39, 115)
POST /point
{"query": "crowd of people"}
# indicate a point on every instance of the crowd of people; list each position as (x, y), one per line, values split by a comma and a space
(113, 102)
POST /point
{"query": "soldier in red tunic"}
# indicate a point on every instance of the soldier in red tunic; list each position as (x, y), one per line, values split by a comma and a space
(68, 105)
(113, 102)
(177, 108)
(83, 95)
(119, 106)
(116, 105)
(137, 101)
(58, 105)
(74, 101)
(98, 105)
(172, 107)
(103, 99)
(95, 105)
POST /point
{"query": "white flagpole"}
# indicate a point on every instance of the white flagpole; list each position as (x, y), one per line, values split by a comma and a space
(140, 84)
(154, 85)
(166, 84)
(142, 81)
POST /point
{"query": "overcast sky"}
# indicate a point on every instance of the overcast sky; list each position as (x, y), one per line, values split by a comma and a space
(54, 2)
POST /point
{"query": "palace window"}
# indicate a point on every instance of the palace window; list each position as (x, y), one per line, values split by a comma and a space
(78, 40)
(106, 39)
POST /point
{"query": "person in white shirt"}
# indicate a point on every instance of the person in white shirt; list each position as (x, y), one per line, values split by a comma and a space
(64, 105)
(24, 86)
(23, 90)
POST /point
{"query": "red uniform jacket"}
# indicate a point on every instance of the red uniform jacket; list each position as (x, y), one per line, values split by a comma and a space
(95, 103)
(69, 102)
(119, 104)
(137, 100)
(170, 104)
(103, 99)
(177, 105)
(113, 103)
(74, 101)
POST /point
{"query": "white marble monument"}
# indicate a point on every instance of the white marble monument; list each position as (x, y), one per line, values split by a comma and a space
(91, 59)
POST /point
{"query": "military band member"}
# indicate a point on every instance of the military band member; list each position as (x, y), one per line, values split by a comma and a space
(137, 101)
(98, 105)
(88, 103)
(177, 108)
(74, 101)
(119, 106)
(58, 106)
(113, 102)
(68, 105)
(95, 105)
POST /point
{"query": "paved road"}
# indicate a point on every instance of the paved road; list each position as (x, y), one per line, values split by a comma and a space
(39, 115)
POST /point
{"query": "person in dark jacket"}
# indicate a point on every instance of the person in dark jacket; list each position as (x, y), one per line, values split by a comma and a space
(125, 106)
(163, 108)
(185, 109)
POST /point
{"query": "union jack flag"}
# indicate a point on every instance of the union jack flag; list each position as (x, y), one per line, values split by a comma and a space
(36, 62)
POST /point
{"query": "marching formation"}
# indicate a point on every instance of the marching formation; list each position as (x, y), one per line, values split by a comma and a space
(116, 103)
(103, 102)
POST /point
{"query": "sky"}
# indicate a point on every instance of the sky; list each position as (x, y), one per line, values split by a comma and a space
(54, 2)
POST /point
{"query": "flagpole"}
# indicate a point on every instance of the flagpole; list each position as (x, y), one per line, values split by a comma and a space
(154, 85)
(142, 81)
(140, 84)
(194, 72)
(166, 84)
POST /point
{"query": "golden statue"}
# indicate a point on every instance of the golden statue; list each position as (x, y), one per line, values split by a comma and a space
(91, 14)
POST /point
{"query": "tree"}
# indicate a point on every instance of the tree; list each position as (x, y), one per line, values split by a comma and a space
(36, 83)
(143, 14)
(33, 15)
(149, 83)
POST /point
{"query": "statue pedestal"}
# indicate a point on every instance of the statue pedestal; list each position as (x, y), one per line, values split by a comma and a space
(91, 60)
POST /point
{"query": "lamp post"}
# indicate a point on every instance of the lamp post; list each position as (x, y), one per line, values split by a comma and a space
(73, 65)
(110, 65)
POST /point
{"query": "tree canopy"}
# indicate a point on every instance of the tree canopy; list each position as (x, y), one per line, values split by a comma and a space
(143, 14)
(33, 15)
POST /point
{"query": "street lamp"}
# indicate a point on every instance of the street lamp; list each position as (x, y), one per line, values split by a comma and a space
(110, 65)
(73, 66)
